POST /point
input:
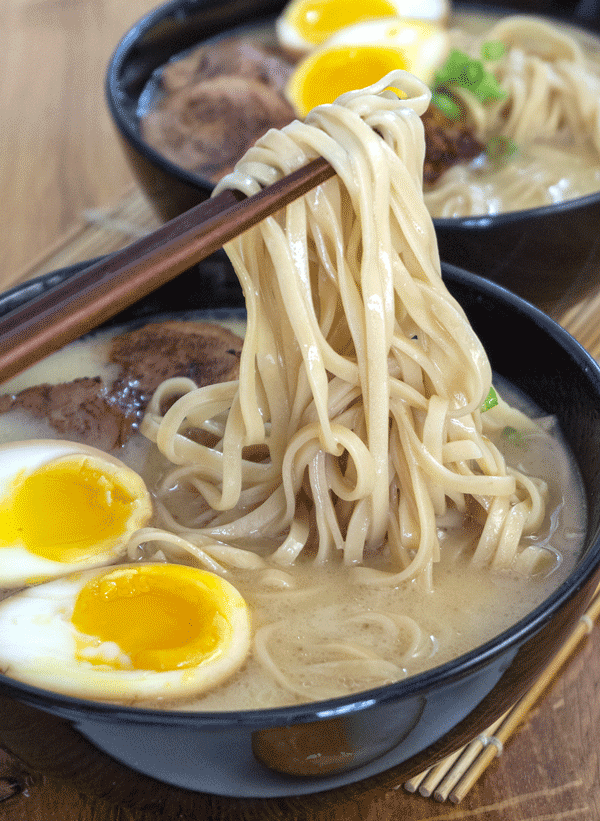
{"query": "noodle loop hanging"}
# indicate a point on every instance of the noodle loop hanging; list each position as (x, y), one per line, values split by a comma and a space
(356, 420)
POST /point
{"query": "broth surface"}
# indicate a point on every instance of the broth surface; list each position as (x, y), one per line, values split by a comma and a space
(318, 634)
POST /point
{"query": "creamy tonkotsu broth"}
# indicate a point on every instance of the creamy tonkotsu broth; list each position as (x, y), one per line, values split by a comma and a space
(538, 145)
(324, 492)
(549, 119)
(319, 634)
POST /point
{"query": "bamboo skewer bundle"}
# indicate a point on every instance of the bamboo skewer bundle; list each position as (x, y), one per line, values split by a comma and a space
(456, 774)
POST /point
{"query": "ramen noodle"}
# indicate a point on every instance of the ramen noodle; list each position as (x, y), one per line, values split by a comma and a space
(358, 367)
(350, 482)
(356, 424)
(549, 114)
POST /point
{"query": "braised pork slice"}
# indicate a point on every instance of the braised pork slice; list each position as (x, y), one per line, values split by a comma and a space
(234, 57)
(208, 126)
(106, 416)
(215, 103)
(82, 410)
(204, 352)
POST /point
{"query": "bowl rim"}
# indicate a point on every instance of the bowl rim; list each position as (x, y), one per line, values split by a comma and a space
(174, 8)
(456, 669)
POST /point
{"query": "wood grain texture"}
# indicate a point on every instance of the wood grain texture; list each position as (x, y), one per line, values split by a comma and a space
(549, 771)
(58, 152)
(59, 157)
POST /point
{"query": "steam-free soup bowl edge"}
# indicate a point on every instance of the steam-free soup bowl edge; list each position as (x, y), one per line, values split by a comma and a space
(377, 737)
(549, 255)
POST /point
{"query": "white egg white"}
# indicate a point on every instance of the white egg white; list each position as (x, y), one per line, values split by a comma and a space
(19, 566)
(291, 39)
(38, 646)
(424, 45)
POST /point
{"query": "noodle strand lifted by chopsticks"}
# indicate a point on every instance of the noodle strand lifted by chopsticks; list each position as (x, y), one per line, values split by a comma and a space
(356, 419)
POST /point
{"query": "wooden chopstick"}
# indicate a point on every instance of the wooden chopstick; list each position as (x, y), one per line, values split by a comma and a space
(100, 291)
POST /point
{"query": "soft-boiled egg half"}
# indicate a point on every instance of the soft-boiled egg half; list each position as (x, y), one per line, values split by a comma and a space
(361, 55)
(64, 507)
(306, 24)
(126, 633)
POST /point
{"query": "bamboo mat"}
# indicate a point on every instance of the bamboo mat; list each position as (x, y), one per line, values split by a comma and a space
(100, 231)
(454, 776)
(106, 230)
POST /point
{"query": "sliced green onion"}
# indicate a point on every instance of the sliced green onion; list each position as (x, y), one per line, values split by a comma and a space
(500, 148)
(466, 72)
(446, 105)
(490, 402)
(452, 69)
(489, 89)
(516, 437)
(493, 50)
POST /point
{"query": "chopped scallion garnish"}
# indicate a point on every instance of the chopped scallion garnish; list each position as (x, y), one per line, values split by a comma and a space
(500, 148)
(493, 50)
(466, 72)
(517, 437)
(446, 105)
(490, 402)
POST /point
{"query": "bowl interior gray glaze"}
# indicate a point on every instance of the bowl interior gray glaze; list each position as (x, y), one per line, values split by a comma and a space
(389, 732)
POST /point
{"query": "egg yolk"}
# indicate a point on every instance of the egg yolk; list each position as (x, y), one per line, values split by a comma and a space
(163, 617)
(316, 20)
(65, 511)
(326, 74)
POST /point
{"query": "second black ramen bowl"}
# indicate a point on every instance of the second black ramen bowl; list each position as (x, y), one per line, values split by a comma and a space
(549, 255)
(375, 738)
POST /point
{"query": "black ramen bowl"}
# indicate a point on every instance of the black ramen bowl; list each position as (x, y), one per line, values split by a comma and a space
(369, 740)
(549, 255)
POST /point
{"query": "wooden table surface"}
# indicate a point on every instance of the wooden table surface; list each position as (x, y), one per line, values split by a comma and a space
(59, 157)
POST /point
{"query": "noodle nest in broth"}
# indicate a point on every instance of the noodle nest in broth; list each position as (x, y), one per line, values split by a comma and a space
(353, 469)
(549, 116)
(357, 429)
(357, 416)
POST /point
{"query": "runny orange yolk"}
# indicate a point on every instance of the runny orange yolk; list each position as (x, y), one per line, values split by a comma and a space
(163, 617)
(65, 511)
(316, 20)
(327, 73)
